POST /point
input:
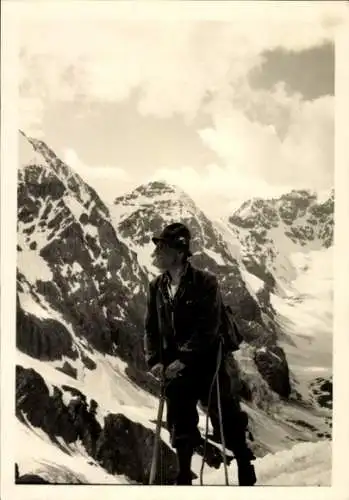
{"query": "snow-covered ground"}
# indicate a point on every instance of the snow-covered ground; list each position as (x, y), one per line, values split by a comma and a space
(273, 433)
(305, 464)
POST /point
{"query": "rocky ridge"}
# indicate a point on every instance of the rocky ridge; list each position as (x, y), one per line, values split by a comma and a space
(269, 230)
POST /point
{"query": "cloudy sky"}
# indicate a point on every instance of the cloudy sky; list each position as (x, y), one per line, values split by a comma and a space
(232, 103)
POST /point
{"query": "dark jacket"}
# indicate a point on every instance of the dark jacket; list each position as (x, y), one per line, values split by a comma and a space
(187, 327)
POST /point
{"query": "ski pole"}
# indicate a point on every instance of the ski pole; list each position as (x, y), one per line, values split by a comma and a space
(221, 423)
(154, 461)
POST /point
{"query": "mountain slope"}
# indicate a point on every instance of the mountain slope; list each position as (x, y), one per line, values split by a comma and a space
(80, 308)
(70, 261)
(286, 243)
(81, 286)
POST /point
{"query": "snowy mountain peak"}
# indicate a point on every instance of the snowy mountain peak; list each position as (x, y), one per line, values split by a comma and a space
(150, 207)
(270, 231)
(70, 256)
(159, 194)
(27, 154)
(302, 215)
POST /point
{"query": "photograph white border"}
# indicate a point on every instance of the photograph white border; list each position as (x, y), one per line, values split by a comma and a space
(11, 11)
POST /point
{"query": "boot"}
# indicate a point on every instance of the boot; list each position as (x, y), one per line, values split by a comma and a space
(246, 473)
(184, 478)
(184, 455)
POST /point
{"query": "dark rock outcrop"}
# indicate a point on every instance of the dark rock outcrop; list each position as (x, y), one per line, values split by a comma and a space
(126, 447)
(68, 369)
(31, 479)
(34, 402)
(121, 446)
(321, 392)
(45, 339)
(272, 365)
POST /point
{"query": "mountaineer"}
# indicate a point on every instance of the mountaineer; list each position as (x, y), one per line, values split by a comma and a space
(181, 342)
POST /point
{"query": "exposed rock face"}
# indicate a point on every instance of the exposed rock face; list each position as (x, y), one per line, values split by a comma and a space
(121, 446)
(322, 392)
(272, 364)
(28, 478)
(43, 338)
(126, 447)
(34, 402)
(48, 411)
(68, 369)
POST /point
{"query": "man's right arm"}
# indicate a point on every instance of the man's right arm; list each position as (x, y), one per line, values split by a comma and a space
(151, 336)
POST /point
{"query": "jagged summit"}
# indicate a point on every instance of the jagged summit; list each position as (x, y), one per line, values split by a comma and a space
(152, 189)
(271, 230)
(159, 194)
(302, 214)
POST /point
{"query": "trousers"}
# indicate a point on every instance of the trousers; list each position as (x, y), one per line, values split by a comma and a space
(192, 386)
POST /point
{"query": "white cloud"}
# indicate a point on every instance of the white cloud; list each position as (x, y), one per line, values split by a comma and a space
(71, 158)
(303, 156)
(108, 180)
(176, 64)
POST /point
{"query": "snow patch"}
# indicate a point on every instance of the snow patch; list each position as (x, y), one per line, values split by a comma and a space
(74, 206)
(91, 230)
(254, 284)
(75, 287)
(33, 266)
(76, 267)
(215, 256)
(144, 256)
(30, 305)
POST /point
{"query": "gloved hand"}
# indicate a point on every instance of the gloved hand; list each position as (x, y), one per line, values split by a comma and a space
(157, 371)
(174, 369)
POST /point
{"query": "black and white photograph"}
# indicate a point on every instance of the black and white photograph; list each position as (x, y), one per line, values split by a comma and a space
(174, 244)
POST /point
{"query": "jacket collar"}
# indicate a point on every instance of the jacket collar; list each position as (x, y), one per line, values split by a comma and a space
(168, 278)
(185, 281)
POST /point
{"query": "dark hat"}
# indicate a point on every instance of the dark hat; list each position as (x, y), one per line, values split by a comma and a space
(175, 235)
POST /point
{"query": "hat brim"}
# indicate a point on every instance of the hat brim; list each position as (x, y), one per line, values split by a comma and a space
(157, 239)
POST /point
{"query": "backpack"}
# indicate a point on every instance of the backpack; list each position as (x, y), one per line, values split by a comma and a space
(229, 330)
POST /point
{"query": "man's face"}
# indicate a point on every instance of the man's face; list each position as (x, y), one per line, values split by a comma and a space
(165, 257)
